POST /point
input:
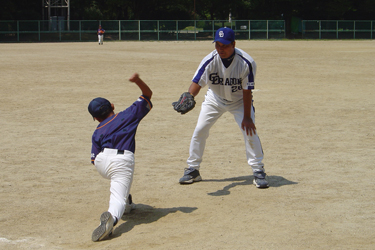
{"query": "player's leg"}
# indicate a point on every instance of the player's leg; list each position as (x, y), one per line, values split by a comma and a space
(209, 114)
(121, 173)
(106, 219)
(253, 146)
(129, 206)
(99, 39)
(119, 169)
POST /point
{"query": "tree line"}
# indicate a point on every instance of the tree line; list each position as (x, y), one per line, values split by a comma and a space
(194, 9)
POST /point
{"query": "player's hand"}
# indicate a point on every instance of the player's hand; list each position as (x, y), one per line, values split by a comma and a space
(248, 125)
(134, 77)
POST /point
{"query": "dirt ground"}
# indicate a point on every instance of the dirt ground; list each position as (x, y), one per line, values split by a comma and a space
(315, 117)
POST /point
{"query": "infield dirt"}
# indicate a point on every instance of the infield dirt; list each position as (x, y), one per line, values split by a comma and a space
(315, 109)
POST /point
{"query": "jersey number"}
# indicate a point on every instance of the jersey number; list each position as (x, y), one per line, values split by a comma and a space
(236, 88)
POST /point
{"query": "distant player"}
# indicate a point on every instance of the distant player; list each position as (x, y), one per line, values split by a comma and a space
(112, 153)
(100, 34)
(229, 73)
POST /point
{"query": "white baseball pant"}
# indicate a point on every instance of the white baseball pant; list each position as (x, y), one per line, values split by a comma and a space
(212, 109)
(100, 39)
(119, 168)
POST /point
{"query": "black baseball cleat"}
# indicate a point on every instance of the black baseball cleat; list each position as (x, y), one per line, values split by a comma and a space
(129, 206)
(190, 175)
(260, 180)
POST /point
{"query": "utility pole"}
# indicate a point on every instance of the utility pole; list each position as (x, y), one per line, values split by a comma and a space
(57, 4)
(195, 14)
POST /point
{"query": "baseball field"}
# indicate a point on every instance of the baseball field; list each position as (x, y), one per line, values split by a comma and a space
(315, 115)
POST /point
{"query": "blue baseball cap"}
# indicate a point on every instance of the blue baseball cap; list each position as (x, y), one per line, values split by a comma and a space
(224, 35)
(99, 106)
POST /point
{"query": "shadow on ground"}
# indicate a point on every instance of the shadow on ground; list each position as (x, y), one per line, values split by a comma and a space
(274, 181)
(145, 214)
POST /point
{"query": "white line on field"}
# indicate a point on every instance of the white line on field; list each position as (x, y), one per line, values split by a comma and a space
(5, 240)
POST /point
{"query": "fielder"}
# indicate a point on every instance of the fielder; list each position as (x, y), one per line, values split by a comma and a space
(229, 73)
(112, 153)
(100, 34)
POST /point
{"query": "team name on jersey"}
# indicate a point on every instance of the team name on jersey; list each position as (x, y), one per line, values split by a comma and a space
(217, 80)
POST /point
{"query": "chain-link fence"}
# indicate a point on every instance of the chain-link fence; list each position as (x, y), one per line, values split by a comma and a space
(316, 29)
(139, 30)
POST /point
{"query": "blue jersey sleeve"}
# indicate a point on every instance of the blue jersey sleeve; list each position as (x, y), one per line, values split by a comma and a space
(202, 66)
(95, 149)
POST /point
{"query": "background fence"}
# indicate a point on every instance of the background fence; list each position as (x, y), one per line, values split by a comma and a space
(315, 29)
(57, 30)
(61, 30)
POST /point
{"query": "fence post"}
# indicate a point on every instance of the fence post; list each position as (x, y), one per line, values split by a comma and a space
(354, 30)
(18, 31)
(80, 33)
(139, 30)
(59, 25)
(177, 30)
(337, 29)
(39, 31)
(119, 30)
(320, 29)
(195, 29)
(267, 29)
(157, 23)
(371, 29)
(249, 31)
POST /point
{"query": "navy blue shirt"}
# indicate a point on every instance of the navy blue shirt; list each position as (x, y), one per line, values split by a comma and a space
(118, 131)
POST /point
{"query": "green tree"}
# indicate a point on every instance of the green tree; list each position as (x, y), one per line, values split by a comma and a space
(204, 9)
(21, 10)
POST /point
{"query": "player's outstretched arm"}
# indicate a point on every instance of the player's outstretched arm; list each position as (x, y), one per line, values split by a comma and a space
(146, 91)
(194, 89)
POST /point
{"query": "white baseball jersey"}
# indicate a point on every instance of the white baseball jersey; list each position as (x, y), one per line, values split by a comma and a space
(225, 94)
(227, 83)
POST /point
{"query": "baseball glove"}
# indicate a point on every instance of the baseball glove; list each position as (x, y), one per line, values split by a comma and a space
(184, 104)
